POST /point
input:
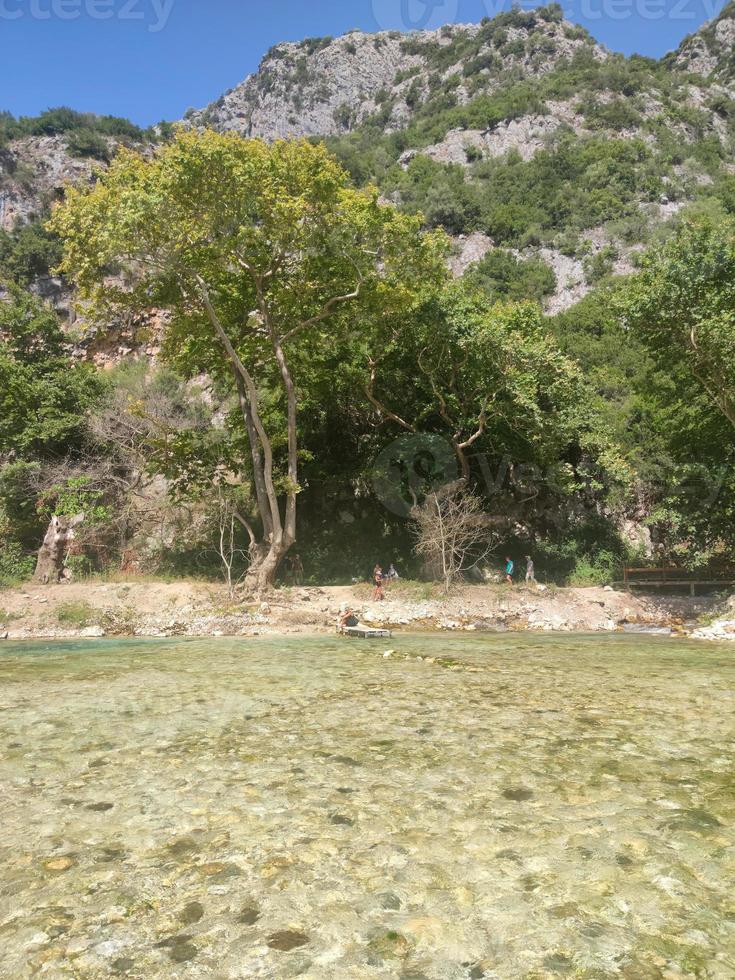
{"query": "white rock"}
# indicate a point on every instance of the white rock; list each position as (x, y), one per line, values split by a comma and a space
(90, 632)
(109, 948)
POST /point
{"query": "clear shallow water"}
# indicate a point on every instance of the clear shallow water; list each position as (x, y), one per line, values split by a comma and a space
(530, 806)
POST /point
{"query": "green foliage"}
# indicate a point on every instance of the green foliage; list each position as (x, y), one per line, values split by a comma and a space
(577, 184)
(88, 143)
(15, 565)
(682, 305)
(64, 121)
(618, 114)
(599, 265)
(314, 44)
(75, 614)
(43, 397)
(582, 553)
(504, 276)
(28, 253)
(602, 568)
(74, 496)
(487, 379)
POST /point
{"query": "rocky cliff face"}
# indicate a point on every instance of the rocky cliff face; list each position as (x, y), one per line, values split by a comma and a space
(328, 86)
(33, 173)
(709, 52)
(465, 100)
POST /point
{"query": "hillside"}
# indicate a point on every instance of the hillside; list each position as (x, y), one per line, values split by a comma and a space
(327, 86)
(709, 52)
(551, 163)
(549, 160)
(521, 133)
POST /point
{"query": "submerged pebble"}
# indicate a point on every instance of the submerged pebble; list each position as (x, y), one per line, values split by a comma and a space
(510, 805)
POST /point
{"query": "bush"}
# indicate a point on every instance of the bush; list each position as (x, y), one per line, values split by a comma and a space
(590, 570)
(600, 265)
(76, 614)
(63, 120)
(15, 565)
(28, 253)
(88, 143)
(503, 276)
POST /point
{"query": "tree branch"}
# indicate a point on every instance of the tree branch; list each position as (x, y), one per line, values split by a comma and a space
(378, 406)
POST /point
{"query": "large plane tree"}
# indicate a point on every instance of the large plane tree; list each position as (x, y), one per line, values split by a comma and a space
(263, 256)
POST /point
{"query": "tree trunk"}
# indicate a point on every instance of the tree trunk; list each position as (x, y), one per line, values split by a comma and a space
(293, 449)
(261, 575)
(261, 491)
(279, 534)
(60, 533)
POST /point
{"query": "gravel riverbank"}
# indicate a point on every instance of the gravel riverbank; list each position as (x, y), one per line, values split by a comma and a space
(155, 609)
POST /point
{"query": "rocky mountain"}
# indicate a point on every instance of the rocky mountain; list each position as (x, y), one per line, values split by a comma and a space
(327, 86)
(520, 133)
(33, 172)
(709, 52)
(551, 161)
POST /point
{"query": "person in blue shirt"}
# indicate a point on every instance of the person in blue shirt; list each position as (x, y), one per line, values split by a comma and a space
(509, 569)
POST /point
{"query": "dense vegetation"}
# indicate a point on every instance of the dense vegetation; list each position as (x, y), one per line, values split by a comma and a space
(566, 426)
(320, 371)
(86, 134)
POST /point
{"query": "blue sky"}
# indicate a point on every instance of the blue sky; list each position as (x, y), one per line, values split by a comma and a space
(151, 59)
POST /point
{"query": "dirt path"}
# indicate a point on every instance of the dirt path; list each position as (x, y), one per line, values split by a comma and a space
(185, 608)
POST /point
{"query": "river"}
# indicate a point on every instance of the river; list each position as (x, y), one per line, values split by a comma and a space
(503, 806)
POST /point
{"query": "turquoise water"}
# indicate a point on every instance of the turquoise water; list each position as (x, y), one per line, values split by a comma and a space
(514, 806)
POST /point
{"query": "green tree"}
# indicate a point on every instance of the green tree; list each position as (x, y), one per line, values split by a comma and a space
(504, 276)
(264, 249)
(682, 306)
(27, 253)
(43, 396)
(483, 376)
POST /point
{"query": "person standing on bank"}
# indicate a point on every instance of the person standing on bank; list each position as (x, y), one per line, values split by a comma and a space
(510, 567)
(378, 583)
(530, 569)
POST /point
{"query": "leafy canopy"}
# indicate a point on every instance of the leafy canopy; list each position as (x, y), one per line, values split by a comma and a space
(43, 397)
(682, 306)
(250, 223)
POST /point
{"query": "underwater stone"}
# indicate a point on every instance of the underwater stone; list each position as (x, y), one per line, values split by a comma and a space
(58, 865)
(191, 913)
(519, 794)
(123, 965)
(287, 939)
(249, 915)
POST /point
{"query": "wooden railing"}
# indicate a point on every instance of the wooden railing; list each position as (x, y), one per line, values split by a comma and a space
(673, 575)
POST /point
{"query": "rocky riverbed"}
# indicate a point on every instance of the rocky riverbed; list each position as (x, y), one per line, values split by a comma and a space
(159, 609)
(450, 808)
